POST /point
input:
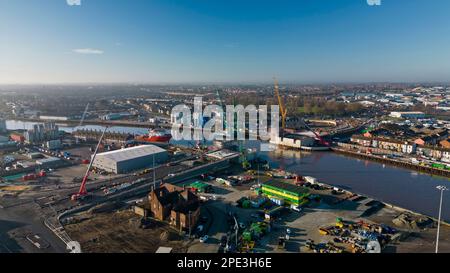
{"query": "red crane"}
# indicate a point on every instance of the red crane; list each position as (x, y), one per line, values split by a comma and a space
(82, 192)
(321, 140)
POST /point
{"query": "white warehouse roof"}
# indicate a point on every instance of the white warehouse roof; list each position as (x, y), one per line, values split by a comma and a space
(132, 153)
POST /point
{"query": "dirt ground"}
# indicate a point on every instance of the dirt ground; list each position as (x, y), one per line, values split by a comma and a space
(419, 241)
(119, 232)
(66, 175)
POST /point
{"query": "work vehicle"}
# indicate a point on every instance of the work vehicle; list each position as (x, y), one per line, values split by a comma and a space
(82, 192)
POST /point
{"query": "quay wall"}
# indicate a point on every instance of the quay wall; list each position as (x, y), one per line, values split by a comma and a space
(416, 167)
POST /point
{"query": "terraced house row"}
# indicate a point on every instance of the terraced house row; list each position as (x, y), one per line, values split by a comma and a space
(406, 147)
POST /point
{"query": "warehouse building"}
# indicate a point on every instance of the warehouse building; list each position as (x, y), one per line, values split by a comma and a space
(130, 159)
(288, 193)
(408, 115)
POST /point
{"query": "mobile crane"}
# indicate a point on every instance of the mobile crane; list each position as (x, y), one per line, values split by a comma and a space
(82, 192)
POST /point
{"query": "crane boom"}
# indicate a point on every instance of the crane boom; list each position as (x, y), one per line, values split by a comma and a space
(83, 191)
(321, 140)
(283, 109)
(84, 115)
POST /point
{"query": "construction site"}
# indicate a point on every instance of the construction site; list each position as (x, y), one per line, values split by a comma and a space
(240, 217)
(108, 192)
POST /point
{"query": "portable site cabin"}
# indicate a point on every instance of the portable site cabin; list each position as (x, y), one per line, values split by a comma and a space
(288, 193)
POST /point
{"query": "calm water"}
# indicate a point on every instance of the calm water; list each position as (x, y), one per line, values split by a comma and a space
(401, 187)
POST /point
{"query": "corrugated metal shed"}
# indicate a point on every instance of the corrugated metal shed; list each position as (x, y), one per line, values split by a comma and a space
(131, 153)
(130, 159)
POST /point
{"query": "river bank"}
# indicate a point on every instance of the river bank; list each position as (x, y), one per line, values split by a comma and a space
(403, 164)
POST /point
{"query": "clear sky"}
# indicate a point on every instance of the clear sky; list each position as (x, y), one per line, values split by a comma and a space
(166, 41)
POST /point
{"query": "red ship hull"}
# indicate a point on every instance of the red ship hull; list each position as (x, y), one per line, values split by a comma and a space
(163, 139)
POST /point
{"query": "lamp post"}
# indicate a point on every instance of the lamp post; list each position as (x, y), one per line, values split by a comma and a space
(442, 189)
(154, 172)
(190, 224)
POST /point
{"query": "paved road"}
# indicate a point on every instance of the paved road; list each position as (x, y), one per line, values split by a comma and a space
(21, 220)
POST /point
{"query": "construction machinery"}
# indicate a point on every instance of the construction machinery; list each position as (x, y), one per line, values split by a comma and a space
(82, 192)
(83, 117)
(284, 111)
(318, 137)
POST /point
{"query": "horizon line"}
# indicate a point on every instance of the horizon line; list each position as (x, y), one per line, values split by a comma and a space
(228, 83)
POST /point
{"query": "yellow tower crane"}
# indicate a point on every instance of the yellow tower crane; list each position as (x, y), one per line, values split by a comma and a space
(283, 110)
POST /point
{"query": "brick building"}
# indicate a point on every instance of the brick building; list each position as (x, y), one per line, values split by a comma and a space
(179, 206)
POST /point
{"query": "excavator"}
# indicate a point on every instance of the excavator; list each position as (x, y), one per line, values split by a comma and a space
(82, 192)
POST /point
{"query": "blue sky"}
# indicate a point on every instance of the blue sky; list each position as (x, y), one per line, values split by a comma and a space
(167, 41)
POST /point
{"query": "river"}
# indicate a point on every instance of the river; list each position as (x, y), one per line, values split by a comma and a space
(397, 186)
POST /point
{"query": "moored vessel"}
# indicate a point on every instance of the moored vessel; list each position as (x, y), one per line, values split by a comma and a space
(155, 135)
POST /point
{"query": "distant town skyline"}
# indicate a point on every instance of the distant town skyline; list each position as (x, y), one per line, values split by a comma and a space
(207, 42)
